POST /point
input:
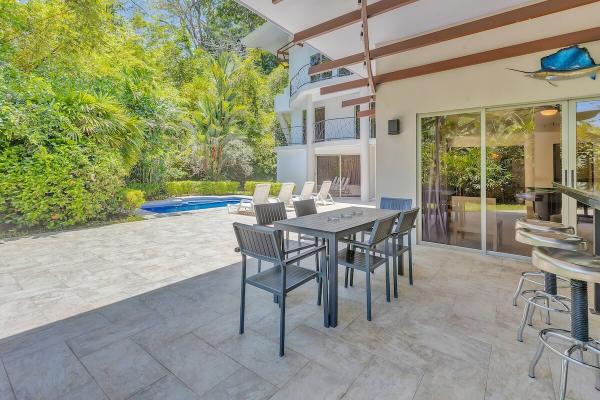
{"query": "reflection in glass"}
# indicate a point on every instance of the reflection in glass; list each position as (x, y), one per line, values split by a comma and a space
(450, 177)
(343, 171)
(523, 159)
(588, 167)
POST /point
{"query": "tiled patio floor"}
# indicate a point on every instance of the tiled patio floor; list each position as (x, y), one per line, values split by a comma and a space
(451, 336)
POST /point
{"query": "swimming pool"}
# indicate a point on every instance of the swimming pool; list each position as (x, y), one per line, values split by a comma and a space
(188, 204)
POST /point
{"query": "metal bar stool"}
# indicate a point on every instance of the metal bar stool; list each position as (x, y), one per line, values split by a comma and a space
(542, 226)
(553, 302)
(580, 268)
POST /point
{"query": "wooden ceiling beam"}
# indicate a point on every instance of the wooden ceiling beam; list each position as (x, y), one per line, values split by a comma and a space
(550, 43)
(358, 100)
(480, 25)
(366, 113)
(365, 38)
(350, 18)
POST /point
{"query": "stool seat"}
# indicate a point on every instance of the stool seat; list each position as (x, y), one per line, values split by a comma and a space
(554, 239)
(567, 263)
(544, 226)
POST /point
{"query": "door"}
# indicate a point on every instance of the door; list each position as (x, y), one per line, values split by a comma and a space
(583, 171)
(319, 124)
(524, 156)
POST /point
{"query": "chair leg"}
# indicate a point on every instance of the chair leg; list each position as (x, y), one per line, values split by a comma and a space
(281, 325)
(518, 292)
(564, 373)
(536, 358)
(243, 295)
(259, 265)
(346, 277)
(401, 258)
(395, 266)
(387, 281)
(324, 287)
(368, 292)
(319, 280)
(523, 321)
(410, 262)
(597, 361)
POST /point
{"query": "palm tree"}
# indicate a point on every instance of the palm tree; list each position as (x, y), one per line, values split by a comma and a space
(219, 111)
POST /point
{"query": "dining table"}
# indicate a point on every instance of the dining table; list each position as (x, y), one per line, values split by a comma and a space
(332, 226)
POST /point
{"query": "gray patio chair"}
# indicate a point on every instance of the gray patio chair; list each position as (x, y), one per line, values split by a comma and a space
(367, 260)
(266, 214)
(266, 244)
(302, 208)
(404, 226)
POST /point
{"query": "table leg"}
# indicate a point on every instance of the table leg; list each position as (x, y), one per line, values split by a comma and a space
(333, 281)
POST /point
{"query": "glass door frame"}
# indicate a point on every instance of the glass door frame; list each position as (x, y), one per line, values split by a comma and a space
(570, 168)
(568, 159)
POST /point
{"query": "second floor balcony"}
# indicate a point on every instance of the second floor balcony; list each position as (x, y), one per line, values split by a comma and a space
(302, 78)
(324, 131)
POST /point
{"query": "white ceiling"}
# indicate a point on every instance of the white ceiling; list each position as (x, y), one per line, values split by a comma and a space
(415, 19)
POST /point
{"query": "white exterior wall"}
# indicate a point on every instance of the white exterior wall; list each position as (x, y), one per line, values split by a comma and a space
(291, 165)
(485, 85)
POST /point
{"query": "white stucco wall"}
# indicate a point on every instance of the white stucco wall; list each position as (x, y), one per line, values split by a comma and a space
(291, 165)
(485, 85)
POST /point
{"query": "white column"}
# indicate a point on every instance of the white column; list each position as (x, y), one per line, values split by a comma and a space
(365, 133)
(310, 135)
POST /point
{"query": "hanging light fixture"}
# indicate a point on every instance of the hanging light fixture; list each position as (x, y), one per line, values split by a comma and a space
(550, 111)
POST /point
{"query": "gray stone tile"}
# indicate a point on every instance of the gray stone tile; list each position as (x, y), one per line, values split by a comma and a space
(314, 382)
(196, 363)
(51, 373)
(449, 378)
(123, 368)
(243, 384)
(168, 387)
(508, 374)
(261, 355)
(383, 380)
(6, 391)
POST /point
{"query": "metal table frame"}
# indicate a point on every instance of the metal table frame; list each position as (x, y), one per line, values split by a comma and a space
(320, 226)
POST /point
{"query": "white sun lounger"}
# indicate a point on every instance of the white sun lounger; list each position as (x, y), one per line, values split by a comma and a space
(246, 206)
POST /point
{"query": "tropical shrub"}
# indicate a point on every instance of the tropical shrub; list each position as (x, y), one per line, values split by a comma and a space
(218, 188)
(251, 185)
(58, 187)
(132, 199)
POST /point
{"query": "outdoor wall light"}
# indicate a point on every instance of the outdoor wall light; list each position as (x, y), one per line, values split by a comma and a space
(393, 127)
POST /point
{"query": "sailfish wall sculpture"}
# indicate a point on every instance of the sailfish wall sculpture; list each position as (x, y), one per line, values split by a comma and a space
(568, 63)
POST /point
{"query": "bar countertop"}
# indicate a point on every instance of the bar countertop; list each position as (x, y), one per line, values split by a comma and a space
(586, 197)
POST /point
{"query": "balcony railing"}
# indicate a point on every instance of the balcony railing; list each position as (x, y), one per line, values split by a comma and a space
(302, 78)
(295, 135)
(337, 129)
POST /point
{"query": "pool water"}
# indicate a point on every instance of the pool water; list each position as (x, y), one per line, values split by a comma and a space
(188, 204)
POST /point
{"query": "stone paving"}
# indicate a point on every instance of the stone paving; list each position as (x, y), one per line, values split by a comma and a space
(149, 310)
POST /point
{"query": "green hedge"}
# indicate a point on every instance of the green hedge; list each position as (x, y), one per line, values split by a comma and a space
(132, 199)
(182, 188)
(250, 185)
(152, 191)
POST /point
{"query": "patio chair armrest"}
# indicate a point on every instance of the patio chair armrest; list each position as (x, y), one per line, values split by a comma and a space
(237, 250)
(304, 255)
(356, 243)
(296, 249)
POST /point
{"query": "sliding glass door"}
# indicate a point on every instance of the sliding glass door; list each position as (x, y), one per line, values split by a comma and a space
(451, 179)
(343, 171)
(482, 170)
(585, 130)
(523, 159)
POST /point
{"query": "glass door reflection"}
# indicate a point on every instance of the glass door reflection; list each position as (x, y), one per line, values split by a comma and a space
(451, 179)
(587, 121)
(523, 159)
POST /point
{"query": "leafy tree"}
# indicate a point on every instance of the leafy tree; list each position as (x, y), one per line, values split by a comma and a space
(237, 161)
